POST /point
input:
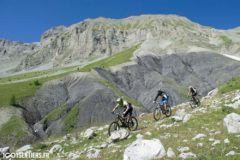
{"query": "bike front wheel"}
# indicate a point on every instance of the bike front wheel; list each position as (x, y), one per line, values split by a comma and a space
(157, 114)
(114, 126)
(133, 124)
(168, 112)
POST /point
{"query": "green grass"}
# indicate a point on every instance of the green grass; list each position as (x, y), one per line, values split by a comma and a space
(23, 89)
(113, 60)
(226, 40)
(71, 118)
(120, 93)
(231, 85)
(55, 114)
(15, 129)
(33, 74)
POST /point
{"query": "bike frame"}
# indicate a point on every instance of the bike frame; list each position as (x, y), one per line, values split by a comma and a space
(120, 118)
(159, 106)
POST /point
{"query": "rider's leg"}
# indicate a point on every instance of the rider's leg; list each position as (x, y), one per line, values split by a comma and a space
(165, 106)
(194, 98)
(130, 111)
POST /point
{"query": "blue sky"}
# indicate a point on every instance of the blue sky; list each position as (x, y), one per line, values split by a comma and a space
(26, 20)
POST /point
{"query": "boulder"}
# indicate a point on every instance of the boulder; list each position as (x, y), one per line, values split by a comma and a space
(216, 142)
(181, 115)
(199, 136)
(187, 155)
(4, 150)
(232, 153)
(186, 118)
(232, 123)
(39, 130)
(89, 133)
(142, 149)
(24, 148)
(139, 136)
(226, 141)
(93, 153)
(55, 149)
(183, 149)
(118, 135)
(170, 153)
(73, 156)
(213, 92)
(235, 101)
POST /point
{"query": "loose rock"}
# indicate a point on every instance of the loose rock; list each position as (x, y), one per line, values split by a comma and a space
(170, 153)
(187, 155)
(55, 149)
(232, 123)
(93, 153)
(143, 149)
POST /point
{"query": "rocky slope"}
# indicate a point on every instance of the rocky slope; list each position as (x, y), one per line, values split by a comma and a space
(210, 132)
(85, 99)
(92, 38)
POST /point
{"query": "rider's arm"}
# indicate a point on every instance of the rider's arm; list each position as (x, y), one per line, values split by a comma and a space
(127, 108)
(156, 97)
(115, 107)
(189, 90)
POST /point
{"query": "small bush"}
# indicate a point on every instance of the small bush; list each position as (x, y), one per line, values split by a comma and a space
(41, 146)
(227, 109)
(37, 83)
(13, 101)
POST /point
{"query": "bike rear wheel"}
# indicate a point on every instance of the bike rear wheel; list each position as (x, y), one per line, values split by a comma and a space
(114, 126)
(168, 112)
(133, 124)
(157, 114)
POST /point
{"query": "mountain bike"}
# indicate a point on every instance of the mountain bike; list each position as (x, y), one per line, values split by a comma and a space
(195, 103)
(121, 121)
(159, 110)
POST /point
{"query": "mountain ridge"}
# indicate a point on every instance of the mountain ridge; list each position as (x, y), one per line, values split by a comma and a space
(61, 46)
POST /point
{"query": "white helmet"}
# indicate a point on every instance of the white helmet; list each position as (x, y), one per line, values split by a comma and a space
(119, 100)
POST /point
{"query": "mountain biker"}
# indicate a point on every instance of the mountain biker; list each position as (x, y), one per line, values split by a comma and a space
(128, 109)
(164, 98)
(193, 92)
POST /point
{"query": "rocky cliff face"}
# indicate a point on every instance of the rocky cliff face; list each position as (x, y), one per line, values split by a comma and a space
(93, 38)
(12, 53)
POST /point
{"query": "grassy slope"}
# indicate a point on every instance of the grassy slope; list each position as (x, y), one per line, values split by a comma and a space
(231, 85)
(70, 119)
(13, 130)
(113, 60)
(55, 114)
(25, 89)
(33, 74)
(205, 123)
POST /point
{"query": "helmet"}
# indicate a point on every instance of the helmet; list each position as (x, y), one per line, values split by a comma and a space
(190, 87)
(160, 91)
(119, 100)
